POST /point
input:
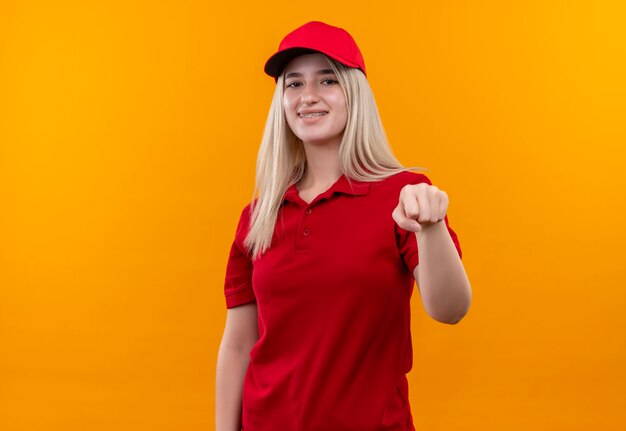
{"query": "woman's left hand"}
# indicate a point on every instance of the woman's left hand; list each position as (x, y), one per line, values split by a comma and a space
(420, 206)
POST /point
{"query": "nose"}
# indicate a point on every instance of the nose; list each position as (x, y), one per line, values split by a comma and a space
(309, 94)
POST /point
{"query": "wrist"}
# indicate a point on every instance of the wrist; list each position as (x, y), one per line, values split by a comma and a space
(432, 227)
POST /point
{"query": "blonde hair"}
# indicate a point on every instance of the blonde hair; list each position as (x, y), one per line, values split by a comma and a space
(364, 153)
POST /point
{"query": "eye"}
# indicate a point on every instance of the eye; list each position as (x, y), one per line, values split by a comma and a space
(293, 84)
(332, 81)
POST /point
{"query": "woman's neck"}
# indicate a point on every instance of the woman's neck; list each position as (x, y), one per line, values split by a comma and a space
(322, 169)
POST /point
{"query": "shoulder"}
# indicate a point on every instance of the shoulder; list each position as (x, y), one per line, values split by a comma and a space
(246, 211)
(401, 179)
(243, 226)
(385, 192)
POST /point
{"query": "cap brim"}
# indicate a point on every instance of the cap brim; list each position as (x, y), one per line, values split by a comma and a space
(277, 62)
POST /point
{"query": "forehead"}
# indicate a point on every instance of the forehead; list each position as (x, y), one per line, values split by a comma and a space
(308, 61)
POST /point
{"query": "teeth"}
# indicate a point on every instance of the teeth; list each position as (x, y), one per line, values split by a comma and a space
(314, 114)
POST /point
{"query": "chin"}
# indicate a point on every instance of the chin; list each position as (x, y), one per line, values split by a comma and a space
(317, 140)
(314, 138)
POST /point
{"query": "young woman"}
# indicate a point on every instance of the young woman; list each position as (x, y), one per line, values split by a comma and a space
(321, 270)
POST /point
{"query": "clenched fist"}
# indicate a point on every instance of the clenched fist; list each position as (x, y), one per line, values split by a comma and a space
(420, 205)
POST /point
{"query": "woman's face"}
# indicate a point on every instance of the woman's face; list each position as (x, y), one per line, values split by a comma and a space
(314, 102)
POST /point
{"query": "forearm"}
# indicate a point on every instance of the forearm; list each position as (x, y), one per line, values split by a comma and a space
(231, 368)
(443, 284)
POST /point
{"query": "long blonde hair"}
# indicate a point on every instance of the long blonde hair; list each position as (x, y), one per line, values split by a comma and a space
(364, 153)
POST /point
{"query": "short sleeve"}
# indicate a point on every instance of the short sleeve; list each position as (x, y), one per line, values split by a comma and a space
(238, 281)
(407, 240)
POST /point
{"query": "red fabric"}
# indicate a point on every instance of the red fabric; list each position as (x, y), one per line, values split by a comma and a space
(333, 41)
(333, 296)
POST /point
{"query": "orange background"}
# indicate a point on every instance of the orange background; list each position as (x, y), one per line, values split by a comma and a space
(128, 139)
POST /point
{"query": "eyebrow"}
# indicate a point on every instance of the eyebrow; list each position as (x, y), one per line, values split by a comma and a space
(319, 72)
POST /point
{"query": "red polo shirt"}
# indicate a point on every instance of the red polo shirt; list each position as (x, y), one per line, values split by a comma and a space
(333, 296)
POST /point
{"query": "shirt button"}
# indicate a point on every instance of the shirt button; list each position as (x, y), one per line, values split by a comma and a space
(308, 211)
(306, 231)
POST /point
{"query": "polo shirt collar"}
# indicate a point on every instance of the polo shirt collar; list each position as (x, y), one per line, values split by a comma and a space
(354, 187)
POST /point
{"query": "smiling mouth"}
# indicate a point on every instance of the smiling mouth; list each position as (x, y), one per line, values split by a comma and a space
(313, 114)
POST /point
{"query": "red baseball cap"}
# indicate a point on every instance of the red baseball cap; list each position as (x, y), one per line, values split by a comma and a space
(316, 36)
